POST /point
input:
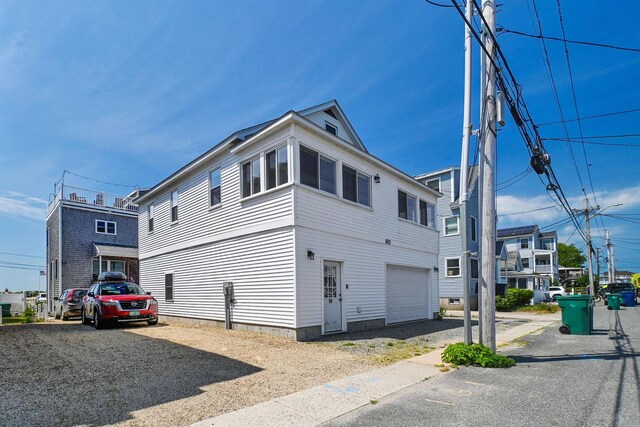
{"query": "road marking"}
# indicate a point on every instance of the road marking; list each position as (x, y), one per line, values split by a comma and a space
(472, 383)
(438, 401)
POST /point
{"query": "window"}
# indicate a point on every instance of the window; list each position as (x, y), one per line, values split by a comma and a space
(168, 287)
(356, 186)
(105, 227)
(251, 177)
(454, 301)
(407, 206)
(434, 183)
(431, 215)
(214, 187)
(277, 167)
(317, 171)
(522, 283)
(547, 244)
(55, 269)
(174, 206)
(524, 243)
(453, 267)
(451, 226)
(525, 262)
(331, 128)
(474, 230)
(150, 220)
(474, 268)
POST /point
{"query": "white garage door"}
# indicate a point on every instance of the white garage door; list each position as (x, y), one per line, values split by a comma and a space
(407, 294)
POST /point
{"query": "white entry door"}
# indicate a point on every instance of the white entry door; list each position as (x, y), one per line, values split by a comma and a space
(332, 297)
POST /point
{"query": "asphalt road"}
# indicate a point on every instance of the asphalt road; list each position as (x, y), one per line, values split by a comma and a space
(560, 380)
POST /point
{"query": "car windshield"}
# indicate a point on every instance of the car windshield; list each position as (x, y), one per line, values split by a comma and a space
(79, 292)
(616, 287)
(120, 289)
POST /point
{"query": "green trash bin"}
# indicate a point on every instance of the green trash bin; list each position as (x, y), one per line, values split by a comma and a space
(613, 301)
(577, 314)
(6, 309)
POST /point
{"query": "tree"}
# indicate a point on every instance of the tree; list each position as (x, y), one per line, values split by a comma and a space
(570, 256)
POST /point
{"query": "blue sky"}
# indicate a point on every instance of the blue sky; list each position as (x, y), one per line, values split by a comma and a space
(129, 91)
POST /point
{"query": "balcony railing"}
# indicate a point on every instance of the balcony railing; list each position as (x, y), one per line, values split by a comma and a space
(93, 198)
(543, 268)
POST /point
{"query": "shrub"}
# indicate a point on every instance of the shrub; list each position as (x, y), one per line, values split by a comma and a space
(514, 298)
(476, 355)
(28, 314)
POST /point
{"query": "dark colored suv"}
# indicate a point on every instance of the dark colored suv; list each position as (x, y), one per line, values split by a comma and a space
(69, 303)
(112, 299)
(616, 288)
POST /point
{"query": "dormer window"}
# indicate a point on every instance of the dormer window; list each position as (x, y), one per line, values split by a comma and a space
(331, 128)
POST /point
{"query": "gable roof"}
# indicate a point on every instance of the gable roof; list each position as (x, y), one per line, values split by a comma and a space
(242, 135)
(239, 139)
(517, 231)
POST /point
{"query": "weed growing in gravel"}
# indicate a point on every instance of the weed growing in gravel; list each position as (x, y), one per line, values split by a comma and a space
(439, 365)
(444, 369)
(373, 401)
(476, 355)
(348, 344)
(541, 308)
(399, 351)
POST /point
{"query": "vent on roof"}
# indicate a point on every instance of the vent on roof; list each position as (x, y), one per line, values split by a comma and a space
(330, 112)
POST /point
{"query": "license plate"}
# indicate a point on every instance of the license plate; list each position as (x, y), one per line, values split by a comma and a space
(134, 313)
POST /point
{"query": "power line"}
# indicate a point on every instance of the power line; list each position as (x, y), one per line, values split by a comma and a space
(26, 256)
(438, 4)
(524, 212)
(597, 116)
(543, 37)
(574, 141)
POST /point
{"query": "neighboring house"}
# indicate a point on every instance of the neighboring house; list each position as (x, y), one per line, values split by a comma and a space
(620, 277)
(447, 181)
(89, 232)
(316, 235)
(539, 258)
(568, 276)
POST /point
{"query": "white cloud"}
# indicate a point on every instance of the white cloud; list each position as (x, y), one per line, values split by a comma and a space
(20, 205)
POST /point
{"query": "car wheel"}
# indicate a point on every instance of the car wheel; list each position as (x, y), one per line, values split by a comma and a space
(152, 322)
(85, 319)
(97, 323)
(554, 298)
(62, 316)
(56, 315)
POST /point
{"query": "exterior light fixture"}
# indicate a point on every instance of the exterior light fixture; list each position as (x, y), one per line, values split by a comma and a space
(310, 255)
(436, 269)
(376, 178)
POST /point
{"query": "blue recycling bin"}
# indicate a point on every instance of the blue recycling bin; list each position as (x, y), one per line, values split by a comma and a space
(628, 298)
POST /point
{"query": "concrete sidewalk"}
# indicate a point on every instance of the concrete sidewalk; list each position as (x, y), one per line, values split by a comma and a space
(320, 404)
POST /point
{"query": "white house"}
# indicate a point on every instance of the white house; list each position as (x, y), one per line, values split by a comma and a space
(538, 258)
(317, 235)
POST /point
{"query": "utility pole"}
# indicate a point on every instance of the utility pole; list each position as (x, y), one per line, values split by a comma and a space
(464, 170)
(595, 291)
(487, 275)
(589, 246)
(610, 266)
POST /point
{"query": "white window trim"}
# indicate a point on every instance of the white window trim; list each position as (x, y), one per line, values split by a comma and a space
(474, 237)
(358, 171)
(151, 207)
(326, 123)
(434, 179)
(459, 267)
(171, 206)
(115, 227)
(209, 172)
(444, 225)
(173, 285)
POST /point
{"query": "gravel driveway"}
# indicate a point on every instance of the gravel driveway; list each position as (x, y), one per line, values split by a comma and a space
(63, 373)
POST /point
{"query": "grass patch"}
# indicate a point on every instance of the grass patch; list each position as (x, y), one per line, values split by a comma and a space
(348, 344)
(439, 365)
(541, 308)
(373, 401)
(399, 351)
(444, 369)
(16, 320)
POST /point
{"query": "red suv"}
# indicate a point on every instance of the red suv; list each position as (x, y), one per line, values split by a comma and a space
(112, 299)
